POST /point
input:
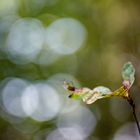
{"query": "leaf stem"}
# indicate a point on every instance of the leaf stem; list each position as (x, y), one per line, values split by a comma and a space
(132, 104)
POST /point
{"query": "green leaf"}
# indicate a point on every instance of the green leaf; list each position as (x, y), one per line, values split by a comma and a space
(95, 94)
(89, 96)
(122, 92)
(76, 93)
(103, 90)
(128, 73)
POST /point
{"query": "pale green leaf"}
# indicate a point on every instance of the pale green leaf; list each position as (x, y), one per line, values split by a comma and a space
(102, 90)
(95, 94)
(128, 73)
(89, 96)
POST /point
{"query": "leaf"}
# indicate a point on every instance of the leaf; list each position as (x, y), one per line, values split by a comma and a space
(76, 93)
(89, 96)
(128, 73)
(122, 92)
(95, 94)
(102, 90)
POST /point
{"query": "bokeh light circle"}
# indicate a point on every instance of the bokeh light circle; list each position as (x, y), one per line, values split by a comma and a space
(81, 120)
(56, 81)
(127, 131)
(48, 105)
(30, 99)
(11, 96)
(72, 133)
(66, 35)
(25, 40)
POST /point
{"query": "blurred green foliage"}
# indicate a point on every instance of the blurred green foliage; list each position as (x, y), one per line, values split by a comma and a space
(113, 39)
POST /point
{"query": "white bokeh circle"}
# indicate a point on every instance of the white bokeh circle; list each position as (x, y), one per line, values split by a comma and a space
(66, 35)
(25, 40)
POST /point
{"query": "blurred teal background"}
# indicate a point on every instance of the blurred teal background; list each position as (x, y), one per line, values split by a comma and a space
(86, 42)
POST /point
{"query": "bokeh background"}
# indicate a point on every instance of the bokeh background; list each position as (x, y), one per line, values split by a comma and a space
(86, 42)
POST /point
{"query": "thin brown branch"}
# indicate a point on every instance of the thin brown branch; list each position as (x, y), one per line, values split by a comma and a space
(132, 104)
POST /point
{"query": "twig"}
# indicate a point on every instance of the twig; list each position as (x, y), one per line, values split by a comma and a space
(132, 104)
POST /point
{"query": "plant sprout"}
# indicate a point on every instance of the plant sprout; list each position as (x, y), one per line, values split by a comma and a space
(89, 96)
